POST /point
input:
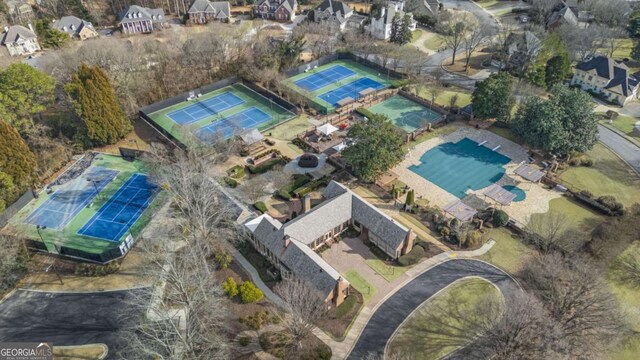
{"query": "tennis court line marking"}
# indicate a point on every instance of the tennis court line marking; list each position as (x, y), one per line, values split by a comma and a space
(204, 106)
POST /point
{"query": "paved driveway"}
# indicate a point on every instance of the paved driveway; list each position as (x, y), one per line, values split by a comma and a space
(388, 316)
(64, 318)
(627, 150)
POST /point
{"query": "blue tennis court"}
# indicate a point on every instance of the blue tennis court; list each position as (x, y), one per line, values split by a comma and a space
(351, 90)
(202, 109)
(116, 216)
(325, 77)
(246, 119)
(64, 204)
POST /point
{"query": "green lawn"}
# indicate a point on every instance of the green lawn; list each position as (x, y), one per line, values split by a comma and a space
(625, 124)
(359, 283)
(580, 216)
(487, 4)
(506, 133)
(447, 129)
(434, 42)
(623, 50)
(508, 253)
(444, 95)
(435, 329)
(416, 35)
(387, 271)
(629, 299)
(287, 131)
(608, 176)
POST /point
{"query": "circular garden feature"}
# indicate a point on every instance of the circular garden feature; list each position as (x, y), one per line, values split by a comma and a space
(308, 160)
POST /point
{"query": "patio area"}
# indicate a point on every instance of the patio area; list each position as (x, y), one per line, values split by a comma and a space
(327, 136)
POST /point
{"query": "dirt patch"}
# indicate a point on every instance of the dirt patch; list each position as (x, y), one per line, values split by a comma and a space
(88, 352)
(475, 64)
(140, 138)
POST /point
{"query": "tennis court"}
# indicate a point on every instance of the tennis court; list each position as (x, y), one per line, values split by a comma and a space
(246, 119)
(351, 90)
(325, 77)
(405, 113)
(202, 109)
(116, 216)
(64, 204)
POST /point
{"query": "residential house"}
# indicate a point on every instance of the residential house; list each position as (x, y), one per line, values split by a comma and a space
(563, 14)
(75, 27)
(607, 77)
(19, 11)
(137, 19)
(336, 13)
(380, 27)
(290, 246)
(421, 8)
(520, 49)
(19, 40)
(203, 11)
(280, 10)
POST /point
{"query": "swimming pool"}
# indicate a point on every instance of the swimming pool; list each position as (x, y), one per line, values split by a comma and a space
(520, 194)
(458, 167)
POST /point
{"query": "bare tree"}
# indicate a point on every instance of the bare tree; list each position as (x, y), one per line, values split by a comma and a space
(255, 188)
(454, 31)
(305, 306)
(13, 261)
(578, 301)
(551, 231)
(627, 269)
(476, 36)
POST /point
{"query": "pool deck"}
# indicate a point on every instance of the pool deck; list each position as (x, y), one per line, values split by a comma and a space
(537, 200)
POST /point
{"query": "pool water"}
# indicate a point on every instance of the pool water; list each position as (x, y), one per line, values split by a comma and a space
(458, 167)
(520, 194)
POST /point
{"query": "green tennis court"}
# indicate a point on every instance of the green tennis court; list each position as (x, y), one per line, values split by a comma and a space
(405, 113)
(213, 115)
(325, 85)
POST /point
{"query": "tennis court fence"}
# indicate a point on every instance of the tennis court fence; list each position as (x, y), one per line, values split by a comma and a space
(343, 56)
(13, 209)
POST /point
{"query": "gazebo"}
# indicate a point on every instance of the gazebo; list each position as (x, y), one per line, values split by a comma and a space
(460, 210)
(252, 140)
(327, 129)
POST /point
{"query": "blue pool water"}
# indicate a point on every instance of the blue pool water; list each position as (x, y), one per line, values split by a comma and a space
(458, 167)
(520, 194)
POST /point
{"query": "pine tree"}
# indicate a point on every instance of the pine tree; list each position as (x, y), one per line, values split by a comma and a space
(17, 164)
(404, 33)
(395, 29)
(96, 104)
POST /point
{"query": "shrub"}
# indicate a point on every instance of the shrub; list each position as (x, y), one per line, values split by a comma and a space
(249, 293)
(236, 172)
(365, 113)
(244, 340)
(586, 193)
(610, 114)
(320, 352)
(593, 204)
(412, 257)
(230, 287)
(298, 181)
(270, 142)
(84, 269)
(396, 84)
(311, 186)
(587, 162)
(264, 167)
(500, 218)
(607, 200)
(223, 259)
(257, 320)
(284, 194)
(260, 206)
(474, 239)
(230, 182)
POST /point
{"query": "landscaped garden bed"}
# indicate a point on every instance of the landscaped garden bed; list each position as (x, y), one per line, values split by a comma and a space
(338, 320)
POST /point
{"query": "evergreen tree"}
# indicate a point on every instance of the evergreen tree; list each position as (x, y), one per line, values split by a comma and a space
(96, 104)
(492, 97)
(558, 69)
(633, 28)
(551, 46)
(395, 29)
(635, 51)
(17, 165)
(50, 37)
(404, 34)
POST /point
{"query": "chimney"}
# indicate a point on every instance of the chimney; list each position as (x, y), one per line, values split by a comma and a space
(30, 27)
(287, 240)
(306, 203)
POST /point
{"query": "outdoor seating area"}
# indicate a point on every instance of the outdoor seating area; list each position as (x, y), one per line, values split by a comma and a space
(327, 136)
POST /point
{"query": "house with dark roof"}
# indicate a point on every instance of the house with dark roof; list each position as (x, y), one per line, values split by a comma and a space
(520, 49)
(203, 11)
(19, 40)
(19, 11)
(75, 27)
(562, 14)
(380, 27)
(279, 10)
(290, 246)
(333, 12)
(607, 77)
(137, 19)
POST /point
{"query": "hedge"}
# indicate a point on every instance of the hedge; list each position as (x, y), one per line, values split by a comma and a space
(236, 172)
(300, 180)
(230, 182)
(304, 190)
(365, 113)
(260, 206)
(412, 257)
(396, 84)
(594, 204)
(264, 167)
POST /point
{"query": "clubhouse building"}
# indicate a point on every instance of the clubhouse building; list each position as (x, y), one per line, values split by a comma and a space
(290, 246)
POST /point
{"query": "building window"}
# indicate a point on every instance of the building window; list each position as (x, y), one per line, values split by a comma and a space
(590, 78)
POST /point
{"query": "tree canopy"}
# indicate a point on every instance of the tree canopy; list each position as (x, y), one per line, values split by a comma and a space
(552, 46)
(376, 149)
(96, 104)
(24, 92)
(400, 30)
(492, 98)
(50, 37)
(17, 165)
(558, 69)
(561, 125)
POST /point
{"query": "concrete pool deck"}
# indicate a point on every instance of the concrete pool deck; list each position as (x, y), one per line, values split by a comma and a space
(537, 198)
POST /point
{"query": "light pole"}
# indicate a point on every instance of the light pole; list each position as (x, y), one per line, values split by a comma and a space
(135, 141)
(38, 228)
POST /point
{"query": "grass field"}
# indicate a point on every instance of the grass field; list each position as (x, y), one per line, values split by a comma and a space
(68, 236)
(435, 329)
(387, 271)
(608, 176)
(623, 51)
(361, 284)
(506, 133)
(416, 35)
(434, 42)
(444, 95)
(508, 253)
(579, 216)
(360, 70)
(625, 124)
(186, 133)
(290, 129)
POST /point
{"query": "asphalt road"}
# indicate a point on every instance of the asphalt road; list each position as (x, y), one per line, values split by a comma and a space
(64, 318)
(388, 316)
(628, 151)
